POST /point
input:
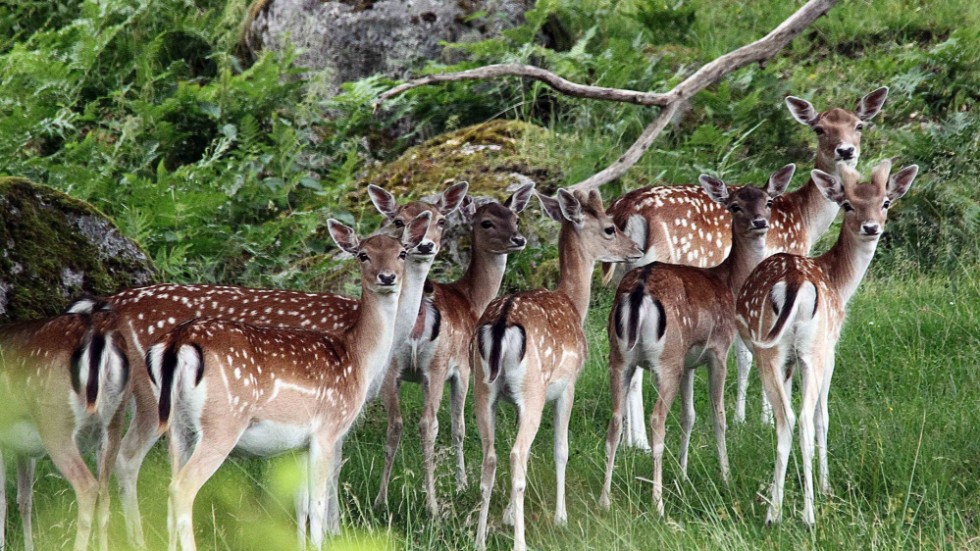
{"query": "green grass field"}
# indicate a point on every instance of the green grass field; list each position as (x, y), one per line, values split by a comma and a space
(904, 448)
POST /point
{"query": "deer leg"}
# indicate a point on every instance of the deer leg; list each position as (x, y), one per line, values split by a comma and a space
(139, 438)
(25, 499)
(667, 388)
(620, 373)
(718, 370)
(530, 418)
(743, 361)
(636, 434)
(563, 412)
(210, 452)
(457, 397)
(390, 398)
(333, 488)
(302, 499)
(66, 457)
(321, 484)
(433, 384)
(108, 452)
(811, 375)
(687, 416)
(822, 422)
(486, 415)
(772, 372)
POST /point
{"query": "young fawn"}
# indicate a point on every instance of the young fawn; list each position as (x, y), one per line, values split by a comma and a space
(146, 313)
(64, 384)
(680, 225)
(671, 318)
(792, 308)
(529, 348)
(437, 351)
(226, 385)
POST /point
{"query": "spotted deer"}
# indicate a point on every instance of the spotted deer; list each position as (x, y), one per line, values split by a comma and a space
(680, 225)
(145, 314)
(671, 318)
(228, 385)
(529, 348)
(437, 351)
(64, 382)
(791, 311)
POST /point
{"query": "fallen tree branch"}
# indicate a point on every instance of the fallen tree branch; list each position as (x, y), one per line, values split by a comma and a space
(758, 51)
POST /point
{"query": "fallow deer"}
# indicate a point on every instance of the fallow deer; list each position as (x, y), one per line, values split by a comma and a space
(680, 225)
(671, 318)
(529, 348)
(227, 385)
(64, 384)
(792, 308)
(437, 350)
(146, 313)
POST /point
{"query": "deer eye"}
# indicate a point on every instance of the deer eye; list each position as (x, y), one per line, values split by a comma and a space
(402, 255)
(610, 230)
(847, 207)
(820, 131)
(769, 204)
(887, 203)
(442, 223)
(487, 224)
(363, 257)
(859, 127)
(734, 208)
(399, 224)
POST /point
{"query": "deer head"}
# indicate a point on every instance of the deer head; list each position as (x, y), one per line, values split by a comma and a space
(583, 214)
(495, 224)
(751, 207)
(865, 205)
(838, 130)
(400, 216)
(382, 257)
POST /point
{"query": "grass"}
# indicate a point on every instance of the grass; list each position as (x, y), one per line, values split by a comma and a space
(905, 408)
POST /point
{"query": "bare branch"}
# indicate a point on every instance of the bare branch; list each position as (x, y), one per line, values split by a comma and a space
(758, 51)
(566, 87)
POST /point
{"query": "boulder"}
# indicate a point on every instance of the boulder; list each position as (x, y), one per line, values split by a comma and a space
(353, 39)
(54, 248)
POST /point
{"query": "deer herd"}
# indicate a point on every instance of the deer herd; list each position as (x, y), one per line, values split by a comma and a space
(220, 369)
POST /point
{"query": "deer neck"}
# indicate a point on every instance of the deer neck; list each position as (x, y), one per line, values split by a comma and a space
(482, 279)
(410, 298)
(846, 263)
(575, 269)
(374, 333)
(818, 212)
(748, 251)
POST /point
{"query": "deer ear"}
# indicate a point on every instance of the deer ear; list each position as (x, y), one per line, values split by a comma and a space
(467, 209)
(383, 201)
(452, 197)
(343, 236)
(715, 188)
(416, 229)
(550, 207)
(779, 180)
(871, 104)
(571, 208)
(519, 200)
(802, 110)
(900, 182)
(830, 186)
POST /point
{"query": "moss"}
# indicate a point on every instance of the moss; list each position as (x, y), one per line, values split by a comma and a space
(487, 155)
(54, 248)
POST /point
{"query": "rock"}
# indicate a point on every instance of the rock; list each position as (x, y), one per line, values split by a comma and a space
(353, 39)
(54, 248)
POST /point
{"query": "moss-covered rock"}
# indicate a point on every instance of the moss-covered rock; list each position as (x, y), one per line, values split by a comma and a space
(490, 156)
(54, 248)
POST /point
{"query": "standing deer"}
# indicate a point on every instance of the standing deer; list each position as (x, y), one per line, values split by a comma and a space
(437, 350)
(64, 384)
(680, 225)
(671, 318)
(792, 308)
(146, 313)
(227, 385)
(529, 348)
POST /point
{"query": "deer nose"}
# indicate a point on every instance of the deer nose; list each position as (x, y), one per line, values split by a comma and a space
(846, 152)
(518, 240)
(426, 248)
(870, 229)
(760, 223)
(386, 279)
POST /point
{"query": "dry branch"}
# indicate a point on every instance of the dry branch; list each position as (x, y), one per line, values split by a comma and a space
(758, 51)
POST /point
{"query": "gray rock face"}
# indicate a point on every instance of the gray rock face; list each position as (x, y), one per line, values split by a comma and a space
(353, 39)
